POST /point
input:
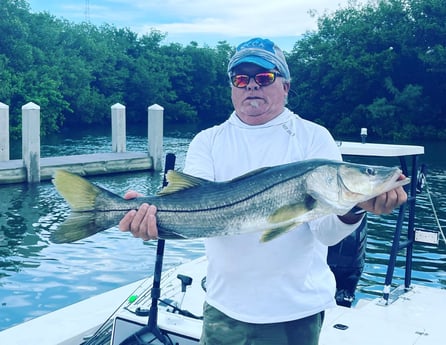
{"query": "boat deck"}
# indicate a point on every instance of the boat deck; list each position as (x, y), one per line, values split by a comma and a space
(415, 317)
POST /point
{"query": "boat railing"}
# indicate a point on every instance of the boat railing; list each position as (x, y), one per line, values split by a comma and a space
(404, 234)
(400, 243)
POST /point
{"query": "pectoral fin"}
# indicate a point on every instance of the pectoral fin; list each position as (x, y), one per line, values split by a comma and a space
(286, 214)
(293, 211)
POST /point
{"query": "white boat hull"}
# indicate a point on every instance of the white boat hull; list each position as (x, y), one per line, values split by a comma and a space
(413, 317)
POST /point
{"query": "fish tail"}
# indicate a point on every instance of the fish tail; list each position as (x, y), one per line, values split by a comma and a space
(77, 227)
(78, 192)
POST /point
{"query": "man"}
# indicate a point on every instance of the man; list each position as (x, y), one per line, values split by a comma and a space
(275, 292)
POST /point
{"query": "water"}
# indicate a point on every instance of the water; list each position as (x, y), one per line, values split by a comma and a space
(37, 277)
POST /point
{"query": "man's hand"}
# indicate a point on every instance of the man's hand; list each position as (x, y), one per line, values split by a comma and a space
(386, 202)
(142, 222)
(382, 204)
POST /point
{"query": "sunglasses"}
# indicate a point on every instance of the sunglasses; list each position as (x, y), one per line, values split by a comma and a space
(262, 79)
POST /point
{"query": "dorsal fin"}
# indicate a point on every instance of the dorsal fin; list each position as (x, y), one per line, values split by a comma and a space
(248, 174)
(178, 181)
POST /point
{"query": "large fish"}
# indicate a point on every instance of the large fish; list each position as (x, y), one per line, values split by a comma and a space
(272, 200)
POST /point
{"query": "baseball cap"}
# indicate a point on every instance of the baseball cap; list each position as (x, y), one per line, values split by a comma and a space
(262, 52)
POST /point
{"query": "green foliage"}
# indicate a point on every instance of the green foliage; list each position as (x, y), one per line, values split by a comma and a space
(75, 72)
(381, 65)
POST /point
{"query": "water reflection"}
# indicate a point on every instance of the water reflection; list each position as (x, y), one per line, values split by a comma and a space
(20, 237)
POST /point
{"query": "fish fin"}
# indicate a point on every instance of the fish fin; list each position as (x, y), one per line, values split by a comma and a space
(292, 211)
(251, 173)
(178, 181)
(77, 191)
(166, 234)
(76, 227)
(271, 234)
(285, 214)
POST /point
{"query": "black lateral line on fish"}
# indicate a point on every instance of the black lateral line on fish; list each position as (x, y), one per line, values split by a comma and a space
(225, 205)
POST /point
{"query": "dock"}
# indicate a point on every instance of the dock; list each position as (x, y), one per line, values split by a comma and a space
(33, 168)
(14, 171)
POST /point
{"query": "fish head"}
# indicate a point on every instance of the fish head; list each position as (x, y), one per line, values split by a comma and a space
(363, 182)
(342, 185)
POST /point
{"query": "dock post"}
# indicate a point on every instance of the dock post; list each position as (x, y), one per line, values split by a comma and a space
(155, 135)
(4, 132)
(118, 128)
(31, 141)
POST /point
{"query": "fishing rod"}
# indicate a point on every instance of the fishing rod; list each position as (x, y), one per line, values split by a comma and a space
(151, 334)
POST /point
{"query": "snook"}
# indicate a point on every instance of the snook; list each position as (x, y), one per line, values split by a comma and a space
(272, 200)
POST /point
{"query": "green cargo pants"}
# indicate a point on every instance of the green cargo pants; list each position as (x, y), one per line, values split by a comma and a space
(219, 329)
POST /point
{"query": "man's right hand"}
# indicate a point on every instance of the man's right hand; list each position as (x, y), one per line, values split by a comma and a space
(142, 222)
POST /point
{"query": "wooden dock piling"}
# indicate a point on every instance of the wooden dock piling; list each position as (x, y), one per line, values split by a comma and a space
(4, 132)
(155, 135)
(31, 141)
(118, 128)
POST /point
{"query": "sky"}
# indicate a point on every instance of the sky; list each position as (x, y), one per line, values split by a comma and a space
(203, 21)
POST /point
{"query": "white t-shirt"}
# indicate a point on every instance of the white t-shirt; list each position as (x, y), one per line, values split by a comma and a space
(284, 279)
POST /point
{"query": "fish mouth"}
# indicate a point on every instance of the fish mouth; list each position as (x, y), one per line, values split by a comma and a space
(395, 181)
(392, 183)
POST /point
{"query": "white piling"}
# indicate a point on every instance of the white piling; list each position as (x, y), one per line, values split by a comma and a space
(155, 135)
(4, 132)
(118, 128)
(31, 141)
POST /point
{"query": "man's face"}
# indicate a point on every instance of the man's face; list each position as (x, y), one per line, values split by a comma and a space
(255, 104)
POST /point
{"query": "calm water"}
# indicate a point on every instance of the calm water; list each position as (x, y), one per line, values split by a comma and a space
(37, 277)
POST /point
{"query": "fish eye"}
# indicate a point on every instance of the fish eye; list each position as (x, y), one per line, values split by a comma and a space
(370, 171)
